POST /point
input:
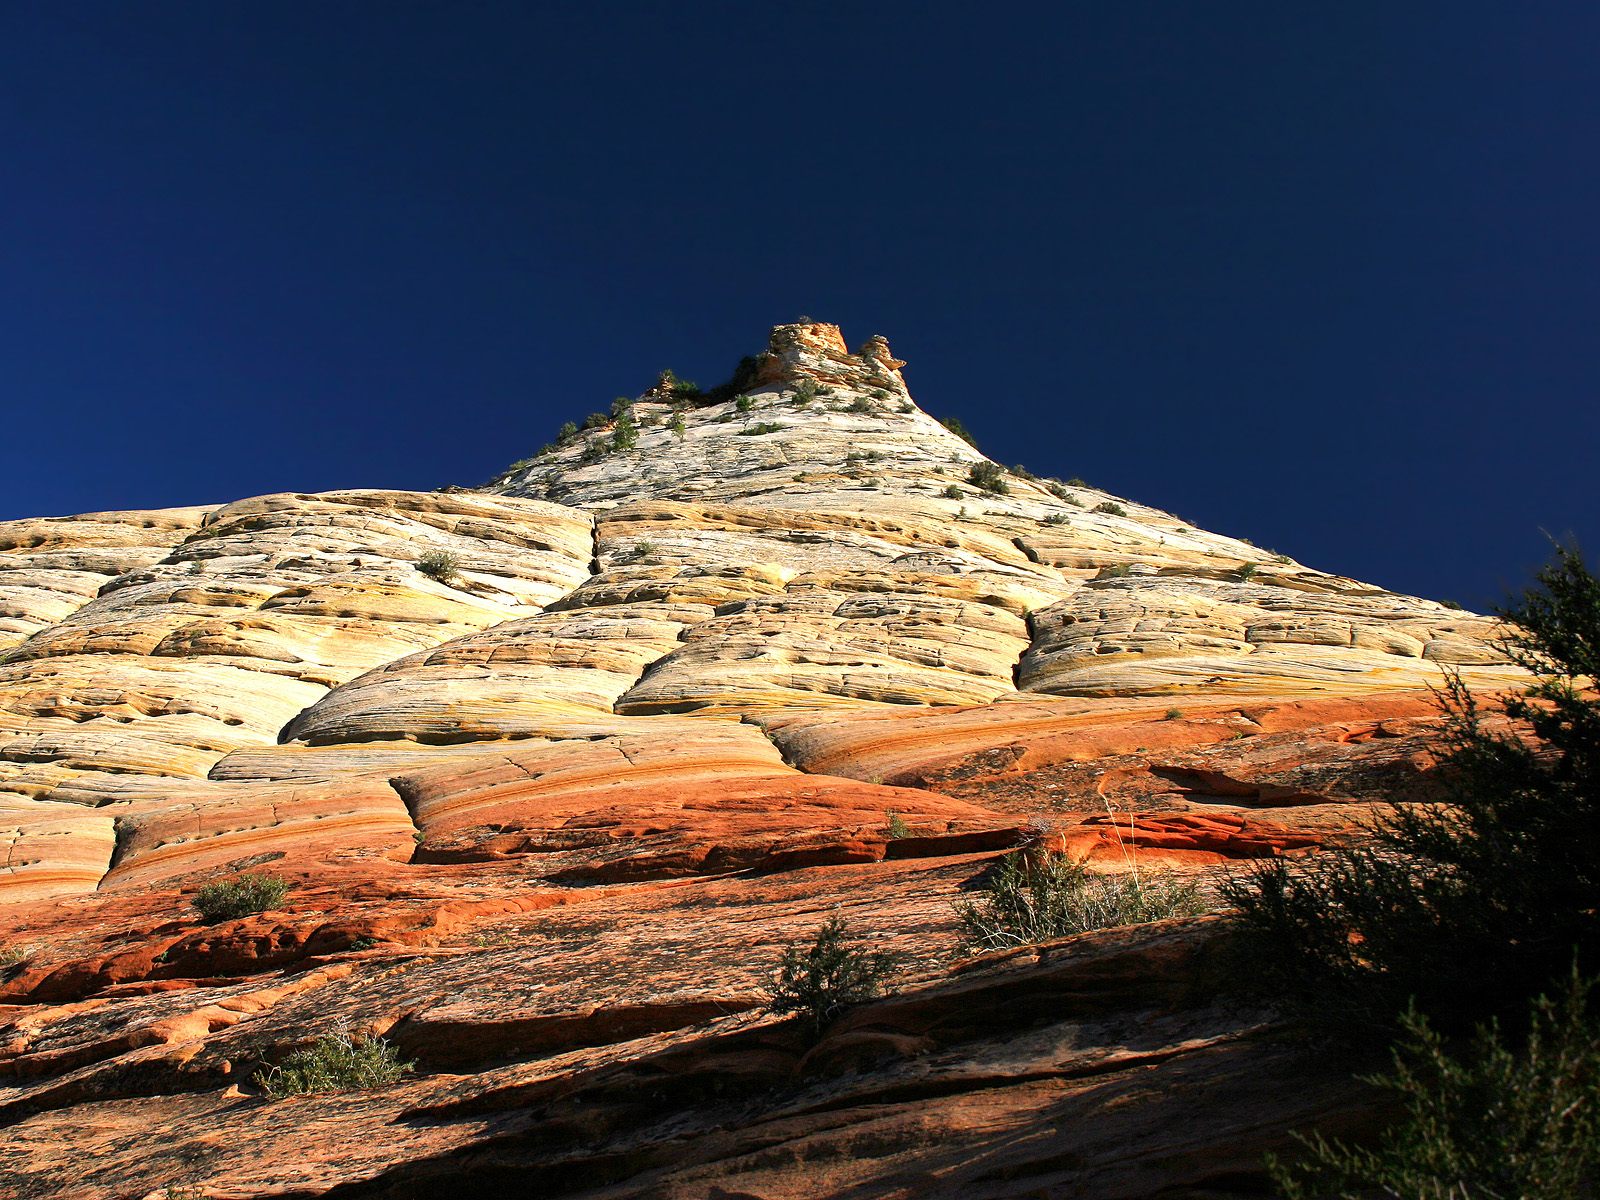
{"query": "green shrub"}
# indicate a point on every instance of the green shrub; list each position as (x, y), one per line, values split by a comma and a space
(1022, 472)
(626, 434)
(954, 425)
(335, 1062)
(1111, 507)
(991, 477)
(952, 492)
(830, 975)
(676, 424)
(1076, 482)
(1058, 519)
(1056, 490)
(566, 433)
(1497, 1121)
(744, 404)
(620, 405)
(440, 565)
(1174, 714)
(684, 389)
(861, 405)
(1247, 572)
(1467, 903)
(761, 427)
(1025, 902)
(742, 380)
(239, 897)
(1451, 604)
(897, 826)
(594, 421)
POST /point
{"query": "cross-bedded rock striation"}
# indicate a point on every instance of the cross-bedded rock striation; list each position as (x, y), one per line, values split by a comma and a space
(556, 766)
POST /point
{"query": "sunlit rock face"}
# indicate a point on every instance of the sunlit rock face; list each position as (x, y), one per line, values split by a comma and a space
(556, 766)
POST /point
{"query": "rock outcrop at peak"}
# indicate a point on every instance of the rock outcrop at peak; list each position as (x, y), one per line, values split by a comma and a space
(555, 768)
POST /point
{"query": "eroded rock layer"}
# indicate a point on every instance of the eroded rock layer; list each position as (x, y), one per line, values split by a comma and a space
(555, 768)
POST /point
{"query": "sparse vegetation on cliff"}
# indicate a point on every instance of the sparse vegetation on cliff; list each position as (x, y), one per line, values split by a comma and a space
(439, 565)
(954, 425)
(991, 477)
(335, 1062)
(822, 980)
(684, 389)
(1035, 897)
(228, 899)
(625, 433)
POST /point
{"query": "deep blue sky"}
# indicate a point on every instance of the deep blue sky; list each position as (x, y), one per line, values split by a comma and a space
(1325, 276)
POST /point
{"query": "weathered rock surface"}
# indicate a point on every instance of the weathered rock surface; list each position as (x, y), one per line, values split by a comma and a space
(52, 566)
(699, 677)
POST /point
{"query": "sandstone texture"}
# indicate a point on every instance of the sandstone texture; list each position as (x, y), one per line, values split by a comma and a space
(557, 767)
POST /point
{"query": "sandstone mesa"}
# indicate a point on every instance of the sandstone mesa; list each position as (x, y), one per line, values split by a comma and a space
(551, 814)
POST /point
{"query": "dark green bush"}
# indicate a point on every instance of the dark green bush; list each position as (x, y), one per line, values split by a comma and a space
(830, 975)
(625, 435)
(1111, 507)
(567, 432)
(744, 404)
(744, 378)
(1469, 903)
(952, 492)
(676, 425)
(594, 421)
(991, 477)
(954, 425)
(1499, 1120)
(335, 1062)
(761, 427)
(228, 899)
(1024, 901)
(683, 389)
